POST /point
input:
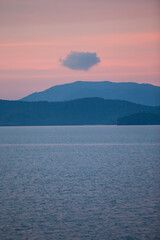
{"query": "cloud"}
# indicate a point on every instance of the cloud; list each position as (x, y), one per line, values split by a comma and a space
(80, 60)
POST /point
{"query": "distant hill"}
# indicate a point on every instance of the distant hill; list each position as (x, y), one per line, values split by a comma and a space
(141, 118)
(145, 94)
(87, 111)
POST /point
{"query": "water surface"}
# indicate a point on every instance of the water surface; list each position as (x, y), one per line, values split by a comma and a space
(79, 182)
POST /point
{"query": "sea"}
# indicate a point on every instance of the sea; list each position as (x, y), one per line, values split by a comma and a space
(80, 182)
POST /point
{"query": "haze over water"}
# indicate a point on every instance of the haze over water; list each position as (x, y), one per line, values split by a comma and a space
(80, 182)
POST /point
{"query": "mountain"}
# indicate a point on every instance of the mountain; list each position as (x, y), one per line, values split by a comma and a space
(145, 94)
(141, 118)
(87, 111)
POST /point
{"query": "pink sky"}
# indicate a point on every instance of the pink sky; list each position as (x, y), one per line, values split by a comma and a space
(35, 34)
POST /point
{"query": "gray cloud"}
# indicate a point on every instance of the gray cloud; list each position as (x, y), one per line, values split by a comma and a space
(80, 60)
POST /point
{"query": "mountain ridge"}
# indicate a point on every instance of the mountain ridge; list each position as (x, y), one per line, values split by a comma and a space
(86, 111)
(140, 118)
(140, 93)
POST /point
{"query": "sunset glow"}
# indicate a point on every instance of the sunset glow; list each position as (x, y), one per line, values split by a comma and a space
(35, 35)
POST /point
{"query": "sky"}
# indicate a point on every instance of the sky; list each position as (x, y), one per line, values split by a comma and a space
(42, 40)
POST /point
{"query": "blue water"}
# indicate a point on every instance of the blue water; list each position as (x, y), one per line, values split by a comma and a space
(83, 182)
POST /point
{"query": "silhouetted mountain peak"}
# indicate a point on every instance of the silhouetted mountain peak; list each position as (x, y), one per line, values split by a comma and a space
(146, 94)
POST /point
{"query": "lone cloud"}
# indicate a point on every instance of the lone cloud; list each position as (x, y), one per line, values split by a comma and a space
(80, 60)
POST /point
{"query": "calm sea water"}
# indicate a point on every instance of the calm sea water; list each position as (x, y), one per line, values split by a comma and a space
(83, 182)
